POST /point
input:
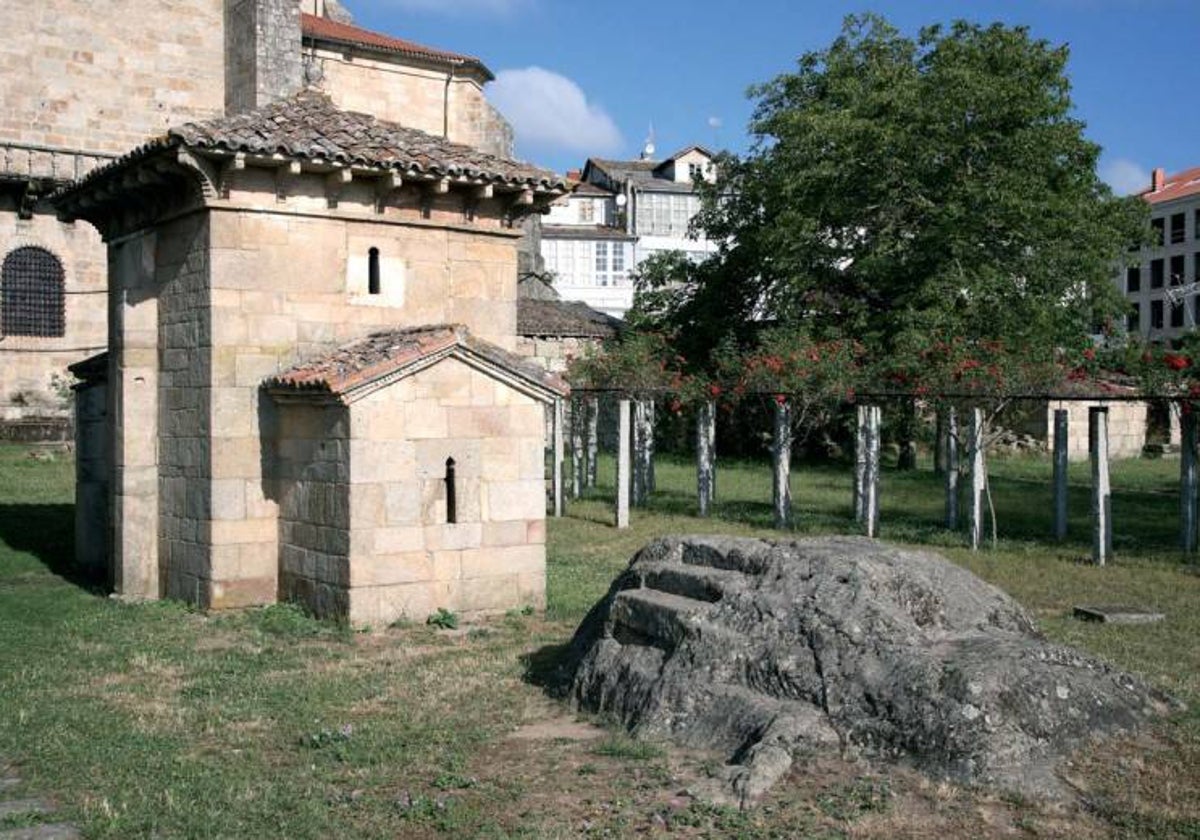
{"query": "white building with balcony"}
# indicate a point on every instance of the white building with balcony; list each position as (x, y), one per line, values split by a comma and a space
(622, 212)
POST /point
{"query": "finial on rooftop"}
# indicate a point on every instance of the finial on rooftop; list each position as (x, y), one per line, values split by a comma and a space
(648, 151)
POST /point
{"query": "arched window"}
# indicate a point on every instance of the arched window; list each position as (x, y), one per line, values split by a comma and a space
(31, 294)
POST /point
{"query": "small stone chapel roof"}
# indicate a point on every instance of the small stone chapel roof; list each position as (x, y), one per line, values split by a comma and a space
(362, 366)
(307, 127)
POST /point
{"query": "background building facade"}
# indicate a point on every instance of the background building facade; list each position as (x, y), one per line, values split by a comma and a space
(1162, 284)
(620, 214)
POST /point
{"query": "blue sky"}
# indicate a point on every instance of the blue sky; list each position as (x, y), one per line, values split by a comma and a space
(580, 78)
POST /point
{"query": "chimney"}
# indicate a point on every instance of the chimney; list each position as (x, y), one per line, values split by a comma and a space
(262, 53)
(1158, 180)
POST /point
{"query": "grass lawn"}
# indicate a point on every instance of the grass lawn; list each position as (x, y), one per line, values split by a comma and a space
(155, 721)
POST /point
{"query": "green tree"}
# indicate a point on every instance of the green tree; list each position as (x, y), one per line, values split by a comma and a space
(901, 190)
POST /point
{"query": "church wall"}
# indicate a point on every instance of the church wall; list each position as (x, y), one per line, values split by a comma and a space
(186, 504)
(406, 559)
(105, 75)
(312, 466)
(287, 287)
(133, 414)
(29, 364)
(416, 97)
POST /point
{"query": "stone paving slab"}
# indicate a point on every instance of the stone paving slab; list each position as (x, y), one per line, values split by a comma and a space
(1110, 614)
(48, 831)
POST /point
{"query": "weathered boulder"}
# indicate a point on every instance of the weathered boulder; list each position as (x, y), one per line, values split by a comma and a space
(768, 650)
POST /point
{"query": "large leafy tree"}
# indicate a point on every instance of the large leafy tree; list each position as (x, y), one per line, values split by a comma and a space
(905, 189)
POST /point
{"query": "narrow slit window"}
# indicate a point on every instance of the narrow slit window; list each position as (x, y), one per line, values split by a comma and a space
(373, 271)
(451, 493)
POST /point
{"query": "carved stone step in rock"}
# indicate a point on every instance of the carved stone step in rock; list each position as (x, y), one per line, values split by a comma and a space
(702, 583)
(764, 650)
(657, 616)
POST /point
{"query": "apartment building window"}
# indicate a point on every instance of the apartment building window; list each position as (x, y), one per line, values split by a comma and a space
(664, 214)
(602, 277)
(1156, 274)
(1133, 323)
(1178, 227)
(1133, 278)
(1196, 267)
(1156, 230)
(1178, 268)
(1177, 314)
(618, 263)
(1156, 314)
(587, 211)
(1196, 224)
(32, 294)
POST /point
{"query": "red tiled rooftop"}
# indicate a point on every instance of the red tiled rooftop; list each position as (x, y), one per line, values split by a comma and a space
(399, 352)
(324, 29)
(1175, 186)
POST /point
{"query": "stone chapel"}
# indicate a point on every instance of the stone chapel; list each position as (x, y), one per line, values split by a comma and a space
(84, 82)
(310, 391)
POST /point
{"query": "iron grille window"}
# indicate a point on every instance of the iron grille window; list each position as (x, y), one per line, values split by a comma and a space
(31, 294)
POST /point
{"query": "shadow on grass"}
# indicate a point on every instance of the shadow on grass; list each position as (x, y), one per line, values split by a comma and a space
(47, 531)
(549, 668)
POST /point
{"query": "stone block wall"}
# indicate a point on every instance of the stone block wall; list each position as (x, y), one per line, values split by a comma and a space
(262, 39)
(185, 505)
(105, 75)
(92, 475)
(1127, 424)
(312, 470)
(285, 288)
(406, 558)
(133, 415)
(414, 96)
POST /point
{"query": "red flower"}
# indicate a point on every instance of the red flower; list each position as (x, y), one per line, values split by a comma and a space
(714, 390)
(676, 406)
(1176, 361)
(780, 399)
(1090, 354)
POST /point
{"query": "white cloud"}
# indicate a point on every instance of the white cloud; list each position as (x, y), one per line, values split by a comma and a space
(1125, 176)
(549, 111)
(459, 8)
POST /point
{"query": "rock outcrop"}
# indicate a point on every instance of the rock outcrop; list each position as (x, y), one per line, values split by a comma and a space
(768, 650)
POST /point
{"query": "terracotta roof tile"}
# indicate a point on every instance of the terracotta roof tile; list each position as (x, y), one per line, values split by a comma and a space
(309, 126)
(564, 319)
(1179, 185)
(400, 353)
(324, 29)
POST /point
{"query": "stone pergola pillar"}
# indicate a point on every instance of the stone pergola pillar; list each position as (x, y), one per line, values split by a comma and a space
(1101, 486)
(869, 444)
(557, 479)
(781, 451)
(624, 443)
(706, 426)
(976, 445)
(1188, 481)
(950, 462)
(1062, 426)
(578, 421)
(592, 435)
